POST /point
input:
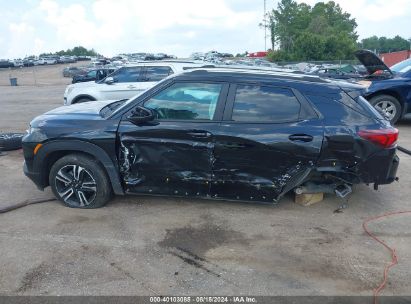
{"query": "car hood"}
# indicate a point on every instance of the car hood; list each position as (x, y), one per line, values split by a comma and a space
(371, 61)
(85, 110)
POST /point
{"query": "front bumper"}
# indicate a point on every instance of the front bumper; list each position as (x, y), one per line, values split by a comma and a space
(34, 176)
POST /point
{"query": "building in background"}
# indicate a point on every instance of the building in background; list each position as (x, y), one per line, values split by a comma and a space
(257, 54)
(392, 58)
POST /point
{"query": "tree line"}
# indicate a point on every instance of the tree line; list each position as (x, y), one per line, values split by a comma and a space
(385, 45)
(76, 51)
(324, 31)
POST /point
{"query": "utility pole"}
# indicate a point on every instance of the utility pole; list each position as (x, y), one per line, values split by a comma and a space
(265, 25)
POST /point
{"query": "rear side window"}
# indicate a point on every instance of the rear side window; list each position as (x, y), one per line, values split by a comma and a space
(265, 104)
(92, 74)
(157, 73)
(129, 74)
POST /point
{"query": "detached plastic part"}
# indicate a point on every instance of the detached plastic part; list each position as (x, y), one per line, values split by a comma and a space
(343, 191)
(10, 141)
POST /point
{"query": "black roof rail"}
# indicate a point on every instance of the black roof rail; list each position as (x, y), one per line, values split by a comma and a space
(207, 66)
(167, 60)
(270, 73)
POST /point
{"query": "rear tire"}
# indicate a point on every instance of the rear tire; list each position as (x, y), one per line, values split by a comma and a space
(388, 104)
(80, 181)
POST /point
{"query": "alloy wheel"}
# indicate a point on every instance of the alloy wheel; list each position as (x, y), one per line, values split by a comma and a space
(76, 185)
(387, 107)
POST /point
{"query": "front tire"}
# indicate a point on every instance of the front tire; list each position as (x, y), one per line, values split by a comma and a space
(79, 181)
(83, 99)
(389, 105)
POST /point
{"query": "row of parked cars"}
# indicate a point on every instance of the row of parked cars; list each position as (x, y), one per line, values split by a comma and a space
(214, 132)
(44, 60)
(387, 89)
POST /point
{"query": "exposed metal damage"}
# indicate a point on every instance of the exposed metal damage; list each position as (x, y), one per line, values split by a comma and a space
(207, 181)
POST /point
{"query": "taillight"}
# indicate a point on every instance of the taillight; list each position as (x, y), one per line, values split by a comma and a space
(385, 138)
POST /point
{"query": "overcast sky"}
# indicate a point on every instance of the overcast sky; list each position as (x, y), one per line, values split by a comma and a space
(177, 27)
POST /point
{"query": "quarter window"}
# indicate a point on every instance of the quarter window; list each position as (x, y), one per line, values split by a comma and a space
(265, 104)
(186, 101)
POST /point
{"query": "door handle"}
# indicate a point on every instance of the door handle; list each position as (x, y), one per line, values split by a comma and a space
(229, 145)
(199, 134)
(300, 137)
(131, 87)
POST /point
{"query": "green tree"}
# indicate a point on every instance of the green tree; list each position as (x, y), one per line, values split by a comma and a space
(76, 51)
(384, 44)
(302, 32)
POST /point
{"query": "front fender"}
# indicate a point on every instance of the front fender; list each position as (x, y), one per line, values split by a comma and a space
(48, 149)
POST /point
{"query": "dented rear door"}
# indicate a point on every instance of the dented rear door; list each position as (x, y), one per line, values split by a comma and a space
(269, 142)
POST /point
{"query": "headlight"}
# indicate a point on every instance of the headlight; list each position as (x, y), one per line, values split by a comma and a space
(35, 135)
(32, 130)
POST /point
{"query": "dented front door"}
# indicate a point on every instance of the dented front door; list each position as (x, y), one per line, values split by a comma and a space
(168, 158)
(173, 154)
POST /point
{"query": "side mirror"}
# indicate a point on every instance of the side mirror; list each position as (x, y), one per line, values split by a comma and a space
(109, 80)
(141, 115)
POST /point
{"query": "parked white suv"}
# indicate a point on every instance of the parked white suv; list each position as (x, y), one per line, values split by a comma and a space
(124, 83)
(46, 60)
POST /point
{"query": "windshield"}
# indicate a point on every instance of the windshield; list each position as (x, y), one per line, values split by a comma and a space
(402, 67)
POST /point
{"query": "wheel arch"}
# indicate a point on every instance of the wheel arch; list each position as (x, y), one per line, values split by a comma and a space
(77, 98)
(52, 151)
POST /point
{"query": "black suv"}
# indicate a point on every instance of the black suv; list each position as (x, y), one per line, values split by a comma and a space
(214, 133)
(93, 75)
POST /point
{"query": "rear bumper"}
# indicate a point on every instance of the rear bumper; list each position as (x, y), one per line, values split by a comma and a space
(381, 168)
(392, 173)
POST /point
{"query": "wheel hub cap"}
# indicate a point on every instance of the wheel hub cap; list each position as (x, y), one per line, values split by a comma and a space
(388, 108)
(76, 185)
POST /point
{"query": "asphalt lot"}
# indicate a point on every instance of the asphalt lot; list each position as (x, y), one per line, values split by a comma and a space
(162, 246)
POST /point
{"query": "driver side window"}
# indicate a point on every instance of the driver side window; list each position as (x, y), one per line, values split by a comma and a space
(186, 101)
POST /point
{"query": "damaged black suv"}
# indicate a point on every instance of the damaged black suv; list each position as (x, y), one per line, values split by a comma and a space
(214, 133)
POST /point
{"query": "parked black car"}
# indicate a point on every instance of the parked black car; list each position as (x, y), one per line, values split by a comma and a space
(93, 75)
(5, 64)
(72, 71)
(214, 133)
(388, 89)
(346, 71)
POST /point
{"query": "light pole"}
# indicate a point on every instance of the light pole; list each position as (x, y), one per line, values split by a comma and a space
(265, 26)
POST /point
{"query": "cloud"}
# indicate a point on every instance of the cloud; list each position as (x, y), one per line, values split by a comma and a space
(20, 36)
(70, 22)
(128, 25)
(178, 27)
